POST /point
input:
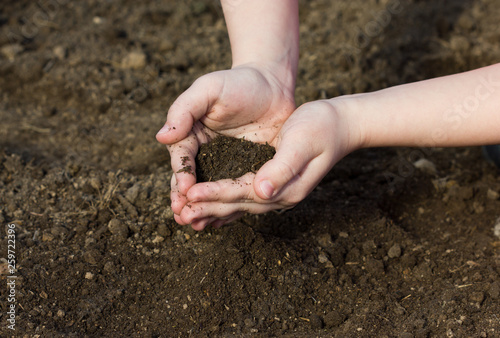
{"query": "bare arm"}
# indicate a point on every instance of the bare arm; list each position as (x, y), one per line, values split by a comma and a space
(264, 32)
(456, 110)
(252, 100)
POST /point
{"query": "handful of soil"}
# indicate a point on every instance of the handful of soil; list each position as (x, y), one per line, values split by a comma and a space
(228, 157)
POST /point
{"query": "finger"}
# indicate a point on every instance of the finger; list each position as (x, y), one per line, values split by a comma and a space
(178, 219)
(290, 160)
(178, 201)
(189, 107)
(218, 224)
(195, 211)
(291, 194)
(182, 156)
(199, 225)
(228, 191)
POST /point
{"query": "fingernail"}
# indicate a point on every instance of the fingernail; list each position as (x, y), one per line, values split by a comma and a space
(166, 128)
(267, 188)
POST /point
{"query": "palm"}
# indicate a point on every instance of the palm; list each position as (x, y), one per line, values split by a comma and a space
(242, 102)
(248, 105)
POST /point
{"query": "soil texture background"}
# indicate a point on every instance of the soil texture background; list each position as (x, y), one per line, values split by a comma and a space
(394, 242)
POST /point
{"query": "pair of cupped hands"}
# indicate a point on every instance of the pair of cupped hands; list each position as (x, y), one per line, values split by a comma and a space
(252, 102)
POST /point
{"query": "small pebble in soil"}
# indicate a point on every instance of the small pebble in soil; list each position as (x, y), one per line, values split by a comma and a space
(426, 166)
(492, 194)
(334, 319)
(394, 251)
(163, 231)
(109, 267)
(322, 258)
(116, 227)
(374, 266)
(60, 52)
(11, 51)
(229, 158)
(316, 322)
(59, 232)
(168, 213)
(134, 60)
(369, 247)
(494, 290)
(47, 237)
(325, 240)
(132, 192)
(158, 239)
(91, 257)
(496, 228)
(95, 182)
(249, 322)
(477, 297)
(478, 207)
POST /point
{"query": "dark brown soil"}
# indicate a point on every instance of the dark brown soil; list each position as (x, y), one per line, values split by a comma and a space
(229, 157)
(379, 249)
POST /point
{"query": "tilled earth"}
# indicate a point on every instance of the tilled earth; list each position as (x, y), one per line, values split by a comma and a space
(394, 242)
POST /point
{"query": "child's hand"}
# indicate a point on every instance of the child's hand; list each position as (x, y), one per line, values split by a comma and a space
(311, 141)
(248, 101)
(318, 134)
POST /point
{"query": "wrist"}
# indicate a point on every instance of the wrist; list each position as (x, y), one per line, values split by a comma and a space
(276, 49)
(265, 33)
(278, 75)
(348, 110)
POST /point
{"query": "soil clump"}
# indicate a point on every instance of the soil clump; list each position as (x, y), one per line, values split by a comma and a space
(229, 157)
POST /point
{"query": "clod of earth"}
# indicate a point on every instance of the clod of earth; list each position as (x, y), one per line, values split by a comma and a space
(228, 157)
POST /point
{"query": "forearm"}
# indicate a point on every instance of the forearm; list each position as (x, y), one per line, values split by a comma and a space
(264, 32)
(456, 110)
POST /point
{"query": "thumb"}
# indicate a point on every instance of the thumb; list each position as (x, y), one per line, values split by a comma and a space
(189, 107)
(291, 159)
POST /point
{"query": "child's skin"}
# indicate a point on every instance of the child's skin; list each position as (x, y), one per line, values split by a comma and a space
(255, 100)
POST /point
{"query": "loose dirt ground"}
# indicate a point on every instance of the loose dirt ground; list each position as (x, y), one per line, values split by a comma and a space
(379, 249)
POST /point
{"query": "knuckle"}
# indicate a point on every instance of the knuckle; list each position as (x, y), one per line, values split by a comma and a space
(215, 189)
(176, 107)
(286, 171)
(248, 195)
(316, 106)
(203, 82)
(292, 201)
